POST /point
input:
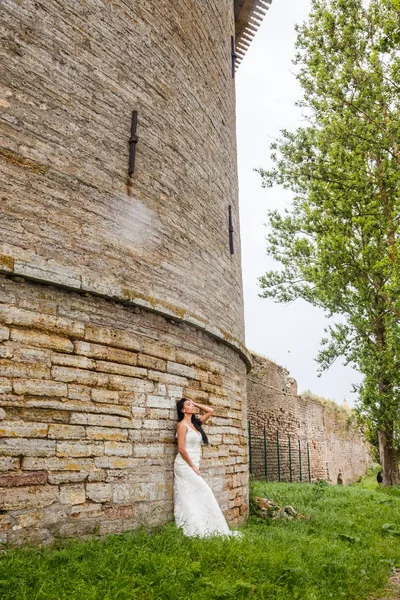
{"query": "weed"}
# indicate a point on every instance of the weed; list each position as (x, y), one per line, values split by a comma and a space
(346, 550)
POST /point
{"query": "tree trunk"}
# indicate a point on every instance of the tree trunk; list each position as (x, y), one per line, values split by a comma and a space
(389, 458)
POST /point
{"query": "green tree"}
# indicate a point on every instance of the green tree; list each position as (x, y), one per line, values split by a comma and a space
(338, 244)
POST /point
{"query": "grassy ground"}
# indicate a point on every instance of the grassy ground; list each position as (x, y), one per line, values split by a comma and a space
(346, 550)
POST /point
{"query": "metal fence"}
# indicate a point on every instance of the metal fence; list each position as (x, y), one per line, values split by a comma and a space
(278, 458)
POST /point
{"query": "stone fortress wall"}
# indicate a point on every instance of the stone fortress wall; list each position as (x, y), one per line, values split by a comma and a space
(87, 419)
(336, 444)
(118, 294)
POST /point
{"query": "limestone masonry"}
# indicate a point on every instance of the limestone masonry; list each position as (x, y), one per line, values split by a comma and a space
(118, 294)
(336, 443)
(87, 431)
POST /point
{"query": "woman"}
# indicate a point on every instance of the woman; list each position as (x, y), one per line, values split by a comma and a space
(196, 509)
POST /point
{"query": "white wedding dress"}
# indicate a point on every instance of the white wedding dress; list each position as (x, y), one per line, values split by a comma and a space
(195, 507)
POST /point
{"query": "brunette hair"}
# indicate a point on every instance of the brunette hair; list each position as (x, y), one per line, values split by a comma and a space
(195, 419)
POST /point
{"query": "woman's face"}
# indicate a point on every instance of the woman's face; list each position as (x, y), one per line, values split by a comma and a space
(188, 407)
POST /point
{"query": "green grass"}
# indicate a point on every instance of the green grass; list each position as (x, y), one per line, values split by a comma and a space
(346, 550)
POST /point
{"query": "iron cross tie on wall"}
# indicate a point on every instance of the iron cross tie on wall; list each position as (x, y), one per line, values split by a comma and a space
(132, 143)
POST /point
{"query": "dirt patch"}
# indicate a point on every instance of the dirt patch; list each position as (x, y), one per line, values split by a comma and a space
(392, 592)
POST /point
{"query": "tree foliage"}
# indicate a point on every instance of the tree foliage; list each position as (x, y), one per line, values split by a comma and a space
(338, 244)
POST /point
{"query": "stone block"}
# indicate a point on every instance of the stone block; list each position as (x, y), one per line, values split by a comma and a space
(42, 271)
(39, 387)
(146, 492)
(32, 337)
(82, 448)
(120, 511)
(153, 424)
(160, 413)
(35, 536)
(81, 376)
(130, 384)
(11, 315)
(182, 370)
(79, 392)
(97, 475)
(70, 360)
(72, 494)
(32, 355)
(114, 462)
(22, 479)
(123, 493)
(108, 396)
(57, 464)
(122, 356)
(160, 402)
(167, 378)
(86, 511)
(7, 352)
(118, 449)
(92, 350)
(5, 385)
(101, 420)
(99, 492)
(116, 526)
(55, 514)
(27, 447)
(105, 433)
(4, 333)
(8, 463)
(201, 375)
(5, 522)
(149, 451)
(2, 414)
(67, 477)
(150, 362)
(174, 391)
(66, 432)
(9, 368)
(29, 519)
(215, 379)
(23, 498)
(158, 349)
(188, 358)
(120, 369)
(112, 337)
(78, 528)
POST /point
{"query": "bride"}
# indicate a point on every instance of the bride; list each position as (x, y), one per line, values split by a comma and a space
(195, 507)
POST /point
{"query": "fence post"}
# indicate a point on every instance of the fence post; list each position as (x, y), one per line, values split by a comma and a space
(290, 460)
(265, 455)
(308, 460)
(301, 478)
(250, 461)
(278, 456)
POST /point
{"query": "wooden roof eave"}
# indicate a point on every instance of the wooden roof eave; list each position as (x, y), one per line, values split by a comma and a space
(248, 17)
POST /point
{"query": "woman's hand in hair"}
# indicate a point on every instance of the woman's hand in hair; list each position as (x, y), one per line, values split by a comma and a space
(207, 410)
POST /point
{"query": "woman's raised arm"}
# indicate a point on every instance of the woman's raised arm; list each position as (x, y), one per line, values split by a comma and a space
(207, 409)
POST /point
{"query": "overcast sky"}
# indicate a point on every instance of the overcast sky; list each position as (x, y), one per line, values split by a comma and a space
(266, 90)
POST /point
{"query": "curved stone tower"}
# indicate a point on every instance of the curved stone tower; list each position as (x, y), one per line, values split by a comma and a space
(118, 293)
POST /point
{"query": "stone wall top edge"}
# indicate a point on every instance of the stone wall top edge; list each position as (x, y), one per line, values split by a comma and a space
(327, 404)
(10, 267)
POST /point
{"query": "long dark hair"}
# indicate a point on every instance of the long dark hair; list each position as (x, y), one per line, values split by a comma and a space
(195, 419)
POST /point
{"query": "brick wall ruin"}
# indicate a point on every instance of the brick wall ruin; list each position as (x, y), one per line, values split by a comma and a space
(336, 444)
